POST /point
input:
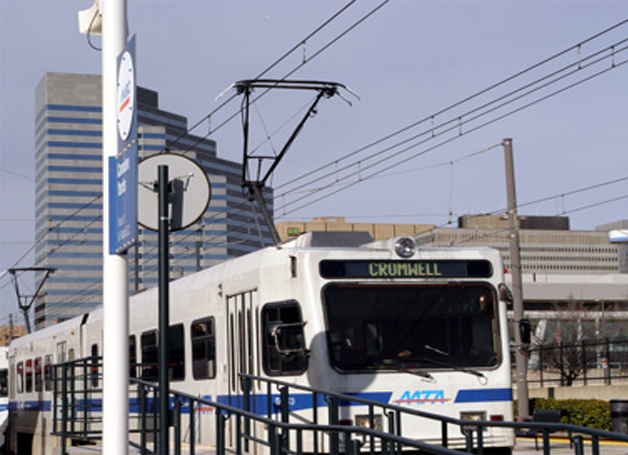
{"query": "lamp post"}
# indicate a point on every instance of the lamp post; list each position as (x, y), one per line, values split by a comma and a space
(110, 16)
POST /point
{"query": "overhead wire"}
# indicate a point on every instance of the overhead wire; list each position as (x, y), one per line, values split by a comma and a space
(383, 139)
(459, 103)
(448, 126)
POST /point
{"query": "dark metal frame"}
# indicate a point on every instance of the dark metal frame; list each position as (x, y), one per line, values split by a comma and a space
(75, 417)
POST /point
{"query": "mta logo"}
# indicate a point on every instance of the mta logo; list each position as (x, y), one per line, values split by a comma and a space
(422, 397)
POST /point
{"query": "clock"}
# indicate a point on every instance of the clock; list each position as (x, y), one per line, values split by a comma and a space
(126, 95)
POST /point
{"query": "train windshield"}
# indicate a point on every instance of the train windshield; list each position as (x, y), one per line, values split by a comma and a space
(405, 327)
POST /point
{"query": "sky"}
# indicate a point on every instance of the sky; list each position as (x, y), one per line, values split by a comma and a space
(441, 84)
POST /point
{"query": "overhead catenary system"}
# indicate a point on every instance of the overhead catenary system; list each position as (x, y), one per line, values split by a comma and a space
(255, 170)
(25, 301)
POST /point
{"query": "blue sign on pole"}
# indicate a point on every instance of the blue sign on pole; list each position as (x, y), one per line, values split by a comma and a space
(123, 168)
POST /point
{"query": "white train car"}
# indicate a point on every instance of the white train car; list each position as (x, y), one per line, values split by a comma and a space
(424, 329)
(4, 393)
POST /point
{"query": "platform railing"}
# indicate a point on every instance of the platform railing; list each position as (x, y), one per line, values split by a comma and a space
(77, 416)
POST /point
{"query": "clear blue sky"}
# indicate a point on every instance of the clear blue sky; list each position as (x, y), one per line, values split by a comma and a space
(408, 61)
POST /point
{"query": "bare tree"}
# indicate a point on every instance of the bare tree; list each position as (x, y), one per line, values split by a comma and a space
(571, 327)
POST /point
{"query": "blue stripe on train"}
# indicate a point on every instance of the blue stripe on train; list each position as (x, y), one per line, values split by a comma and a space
(483, 395)
(296, 402)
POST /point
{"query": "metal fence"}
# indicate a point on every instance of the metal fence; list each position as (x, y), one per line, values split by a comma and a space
(77, 412)
(587, 362)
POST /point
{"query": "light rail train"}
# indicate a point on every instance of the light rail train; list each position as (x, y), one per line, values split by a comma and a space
(418, 328)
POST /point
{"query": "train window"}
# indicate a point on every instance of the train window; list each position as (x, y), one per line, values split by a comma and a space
(203, 349)
(28, 378)
(132, 356)
(410, 327)
(150, 355)
(38, 375)
(176, 354)
(20, 377)
(48, 372)
(284, 351)
(4, 383)
(61, 347)
(94, 367)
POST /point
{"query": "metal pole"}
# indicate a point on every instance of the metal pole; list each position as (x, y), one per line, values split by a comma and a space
(257, 193)
(115, 267)
(521, 359)
(164, 297)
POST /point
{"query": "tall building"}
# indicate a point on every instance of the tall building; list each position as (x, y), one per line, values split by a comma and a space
(68, 212)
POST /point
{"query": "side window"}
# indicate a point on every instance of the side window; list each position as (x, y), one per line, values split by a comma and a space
(203, 349)
(61, 348)
(48, 372)
(284, 350)
(132, 356)
(20, 377)
(29, 375)
(4, 383)
(38, 375)
(150, 355)
(94, 367)
(176, 355)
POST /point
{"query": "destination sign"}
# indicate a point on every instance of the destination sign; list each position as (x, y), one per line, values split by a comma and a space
(472, 268)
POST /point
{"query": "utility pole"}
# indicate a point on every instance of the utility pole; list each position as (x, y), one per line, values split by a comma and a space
(115, 266)
(521, 358)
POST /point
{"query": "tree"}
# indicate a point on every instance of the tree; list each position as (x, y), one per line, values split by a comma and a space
(562, 345)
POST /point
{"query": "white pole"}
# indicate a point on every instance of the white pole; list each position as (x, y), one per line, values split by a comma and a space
(115, 267)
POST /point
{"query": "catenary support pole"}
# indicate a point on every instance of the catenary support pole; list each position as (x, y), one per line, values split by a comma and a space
(521, 358)
(164, 303)
(115, 267)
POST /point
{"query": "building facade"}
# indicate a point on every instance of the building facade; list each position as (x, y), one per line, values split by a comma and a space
(379, 231)
(69, 198)
(547, 245)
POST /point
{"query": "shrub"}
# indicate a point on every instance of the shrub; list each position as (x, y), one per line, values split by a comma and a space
(587, 413)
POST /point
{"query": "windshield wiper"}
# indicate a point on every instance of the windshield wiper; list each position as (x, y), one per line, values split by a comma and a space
(477, 373)
(402, 369)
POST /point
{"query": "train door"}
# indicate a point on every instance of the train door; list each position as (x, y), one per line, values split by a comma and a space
(241, 336)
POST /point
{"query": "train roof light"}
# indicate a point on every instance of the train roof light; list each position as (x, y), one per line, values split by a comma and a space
(405, 247)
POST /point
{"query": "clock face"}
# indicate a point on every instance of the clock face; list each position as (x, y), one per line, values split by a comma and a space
(126, 95)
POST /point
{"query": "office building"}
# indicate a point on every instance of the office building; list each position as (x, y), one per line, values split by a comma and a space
(379, 231)
(69, 198)
(547, 244)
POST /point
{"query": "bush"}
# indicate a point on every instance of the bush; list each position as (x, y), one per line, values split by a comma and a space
(587, 413)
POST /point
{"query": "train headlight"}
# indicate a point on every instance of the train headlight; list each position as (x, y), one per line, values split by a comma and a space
(405, 247)
(364, 421)
(472, 416)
